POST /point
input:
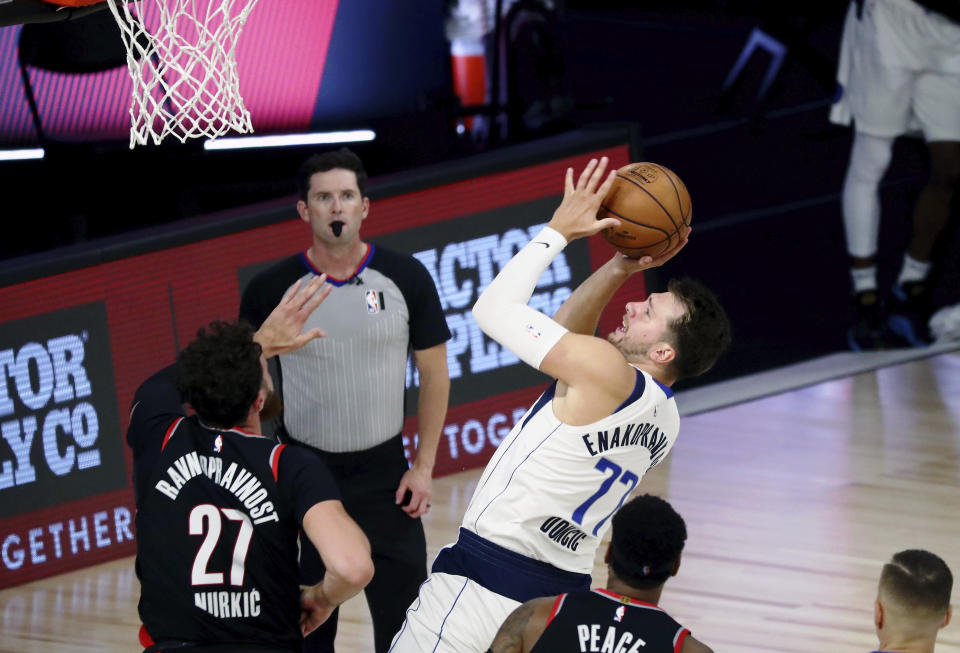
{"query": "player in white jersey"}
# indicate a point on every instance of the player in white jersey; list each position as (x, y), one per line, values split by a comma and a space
(546, 497)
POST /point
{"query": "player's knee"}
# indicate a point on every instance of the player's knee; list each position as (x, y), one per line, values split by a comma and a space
(870, 157)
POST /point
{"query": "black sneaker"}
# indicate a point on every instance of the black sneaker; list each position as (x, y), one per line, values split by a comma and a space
(909, 313)
(869, 330)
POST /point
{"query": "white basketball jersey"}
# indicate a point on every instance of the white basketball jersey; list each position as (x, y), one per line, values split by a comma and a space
(550, 489)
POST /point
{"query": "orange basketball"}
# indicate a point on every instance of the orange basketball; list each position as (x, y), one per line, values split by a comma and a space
(652, 205)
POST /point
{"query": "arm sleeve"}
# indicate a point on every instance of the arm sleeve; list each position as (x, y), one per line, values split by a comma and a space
(251, 304)
(502, 312)
(304, 480)
(428, 325)
(155, 405)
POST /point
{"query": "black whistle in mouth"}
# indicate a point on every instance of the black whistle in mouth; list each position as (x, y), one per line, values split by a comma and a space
(337, 228)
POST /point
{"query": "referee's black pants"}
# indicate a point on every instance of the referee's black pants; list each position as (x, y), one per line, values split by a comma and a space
(368, 481)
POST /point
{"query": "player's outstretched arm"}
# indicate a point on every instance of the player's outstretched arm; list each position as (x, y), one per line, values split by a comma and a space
(281, 332)
(521, 630)
(501, 311)
(691, 645)
(345, 552)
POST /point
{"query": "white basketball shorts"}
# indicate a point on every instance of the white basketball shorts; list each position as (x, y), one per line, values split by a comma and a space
(900, 71)
(452, 614)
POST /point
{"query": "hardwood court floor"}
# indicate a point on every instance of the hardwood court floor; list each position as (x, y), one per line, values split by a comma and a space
(792, 502)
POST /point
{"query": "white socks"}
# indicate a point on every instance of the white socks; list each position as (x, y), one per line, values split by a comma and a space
(864, 279)
(912, 270)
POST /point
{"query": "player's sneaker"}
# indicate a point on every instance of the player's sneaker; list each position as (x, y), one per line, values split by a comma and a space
(909, 313)
(869, 330)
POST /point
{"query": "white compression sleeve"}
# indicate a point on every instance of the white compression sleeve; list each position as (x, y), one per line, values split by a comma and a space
(501, 310)
(869, 158)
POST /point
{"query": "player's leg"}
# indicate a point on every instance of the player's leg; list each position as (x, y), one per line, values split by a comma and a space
(397, 541)
(869, 158)
(879, 95)
(452, 614)
(937, 108)
(399, 557)
(911, 305)
(933, 206)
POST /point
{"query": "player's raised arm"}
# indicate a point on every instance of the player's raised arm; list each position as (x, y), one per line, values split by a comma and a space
(502, 311)
(282, 331)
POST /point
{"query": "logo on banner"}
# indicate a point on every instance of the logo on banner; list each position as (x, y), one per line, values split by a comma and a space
(461, 269)
(57, 400)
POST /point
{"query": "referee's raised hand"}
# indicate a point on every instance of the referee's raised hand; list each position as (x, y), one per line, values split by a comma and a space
(282, 331)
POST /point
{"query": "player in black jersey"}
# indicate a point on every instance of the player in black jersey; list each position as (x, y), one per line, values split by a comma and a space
(645, 546)
(220, 507)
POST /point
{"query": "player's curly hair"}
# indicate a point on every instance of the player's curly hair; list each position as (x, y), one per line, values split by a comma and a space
(647, 539)
(702, 334)
(220, 373)
(343, 158)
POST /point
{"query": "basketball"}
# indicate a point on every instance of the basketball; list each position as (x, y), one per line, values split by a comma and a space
(652, 204)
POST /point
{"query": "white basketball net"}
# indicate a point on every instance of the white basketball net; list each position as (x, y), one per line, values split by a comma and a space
(182, 58)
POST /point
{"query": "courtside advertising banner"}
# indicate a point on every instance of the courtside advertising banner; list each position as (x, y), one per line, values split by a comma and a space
(75, 346)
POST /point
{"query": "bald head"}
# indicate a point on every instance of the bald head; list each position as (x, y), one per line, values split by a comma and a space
(914, 594)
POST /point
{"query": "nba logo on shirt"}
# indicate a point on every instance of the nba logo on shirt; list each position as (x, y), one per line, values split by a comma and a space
(618, 616)
(373, 301)
(533, 331)
(218, 444)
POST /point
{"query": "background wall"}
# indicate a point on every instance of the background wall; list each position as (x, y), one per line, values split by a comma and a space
(764, 172)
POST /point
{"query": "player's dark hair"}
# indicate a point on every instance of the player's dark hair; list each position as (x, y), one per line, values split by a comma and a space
(702, 333)
(918, 580)
(220, 373)
(335, 159)
(647, 539)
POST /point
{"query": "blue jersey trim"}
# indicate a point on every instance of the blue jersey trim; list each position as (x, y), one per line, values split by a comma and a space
(666, 389)
(638, 387)
(544, 398)
(505, 572)
(307, 263)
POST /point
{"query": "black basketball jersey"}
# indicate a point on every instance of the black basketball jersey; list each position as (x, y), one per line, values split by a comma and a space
(601, 620)
(218, 516)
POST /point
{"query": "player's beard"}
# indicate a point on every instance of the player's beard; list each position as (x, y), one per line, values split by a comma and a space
(272, 406)
(630, 351)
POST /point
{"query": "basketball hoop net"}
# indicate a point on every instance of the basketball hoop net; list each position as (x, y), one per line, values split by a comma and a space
(182, 59)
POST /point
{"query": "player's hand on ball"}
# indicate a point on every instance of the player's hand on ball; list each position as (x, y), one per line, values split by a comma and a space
(576, 216)
(631, 265)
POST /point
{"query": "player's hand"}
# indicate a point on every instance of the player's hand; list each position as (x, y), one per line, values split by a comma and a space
(419, 482)
(315, 608)
(627, 265)
(281, 332)
(576, 216)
